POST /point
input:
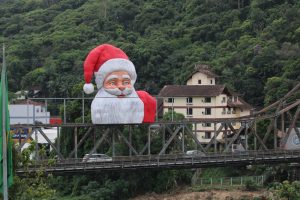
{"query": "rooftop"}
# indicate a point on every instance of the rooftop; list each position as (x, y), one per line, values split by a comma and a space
(204, 69)
(193, 90)
(27, 102)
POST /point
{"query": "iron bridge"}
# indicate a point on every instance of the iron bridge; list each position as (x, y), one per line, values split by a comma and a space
(165, 142)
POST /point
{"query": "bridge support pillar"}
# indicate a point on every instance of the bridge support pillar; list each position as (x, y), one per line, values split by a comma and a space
(255, 132)
(130, 140)
(225, 136)
(282, 122)
(37, 157)
(113, 144)
(58, 139)
(215, 137)
(75, 141)
(246, 137)
(149, 141)
(275, 133)
(182, 140)
(164, 135)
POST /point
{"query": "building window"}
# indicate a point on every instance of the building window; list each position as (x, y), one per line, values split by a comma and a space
(37, 110)
(207, 111)
(207, 99)
(223, 100)
(207, 135)
(206, 124)
(199, 82)
(189, 111)
(224, 111)
(170, 100)
(211, 81)
(229, 111)
(233, 111)
(189, 100)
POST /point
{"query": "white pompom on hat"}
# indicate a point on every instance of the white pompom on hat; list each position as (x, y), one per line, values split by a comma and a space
(102, 61)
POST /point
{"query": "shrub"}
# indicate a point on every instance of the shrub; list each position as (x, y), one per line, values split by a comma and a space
(250, 185)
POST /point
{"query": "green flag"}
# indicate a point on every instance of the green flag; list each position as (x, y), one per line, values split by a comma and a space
(4, 115)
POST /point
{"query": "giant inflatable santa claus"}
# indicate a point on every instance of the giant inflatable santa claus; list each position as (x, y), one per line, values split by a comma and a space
(116, 101)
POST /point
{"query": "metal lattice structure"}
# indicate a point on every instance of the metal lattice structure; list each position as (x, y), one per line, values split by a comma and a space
(173, 137)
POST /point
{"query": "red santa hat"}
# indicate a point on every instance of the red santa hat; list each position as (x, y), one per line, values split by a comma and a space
(102, 61)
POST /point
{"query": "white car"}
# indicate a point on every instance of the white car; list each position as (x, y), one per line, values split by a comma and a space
(96, 157)
(193, 153)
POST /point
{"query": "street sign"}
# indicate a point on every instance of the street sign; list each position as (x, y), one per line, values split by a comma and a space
(20, 133)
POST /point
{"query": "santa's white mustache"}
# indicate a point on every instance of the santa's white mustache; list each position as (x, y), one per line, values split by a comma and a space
(118, 92)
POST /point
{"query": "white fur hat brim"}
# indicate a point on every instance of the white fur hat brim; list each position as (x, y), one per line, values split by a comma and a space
(113, 65)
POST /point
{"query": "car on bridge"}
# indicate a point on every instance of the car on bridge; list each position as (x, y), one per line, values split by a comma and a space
(194, 153)
(96, 157)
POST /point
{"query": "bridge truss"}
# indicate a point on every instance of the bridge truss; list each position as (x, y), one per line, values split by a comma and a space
(165, 140)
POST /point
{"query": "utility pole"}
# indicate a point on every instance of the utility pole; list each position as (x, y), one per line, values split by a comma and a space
(4, 145)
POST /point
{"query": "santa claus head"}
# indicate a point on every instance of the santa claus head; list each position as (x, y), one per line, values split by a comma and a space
(102, 61)
(116, 101)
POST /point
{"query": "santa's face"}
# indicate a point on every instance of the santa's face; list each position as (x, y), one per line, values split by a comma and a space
(117, 101)
(118, 83)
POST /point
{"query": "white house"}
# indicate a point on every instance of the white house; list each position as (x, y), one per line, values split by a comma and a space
(28, 112)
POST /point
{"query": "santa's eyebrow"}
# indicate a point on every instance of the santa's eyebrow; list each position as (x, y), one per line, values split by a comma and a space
(126, 76)
(111, 77)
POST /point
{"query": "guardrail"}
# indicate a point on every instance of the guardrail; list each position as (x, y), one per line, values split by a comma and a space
(230, 181)
(162, 161)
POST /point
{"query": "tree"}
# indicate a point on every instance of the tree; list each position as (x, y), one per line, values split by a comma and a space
(276, 88)
(287, 190)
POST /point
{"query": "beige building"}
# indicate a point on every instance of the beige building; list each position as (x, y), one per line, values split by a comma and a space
(202, 99)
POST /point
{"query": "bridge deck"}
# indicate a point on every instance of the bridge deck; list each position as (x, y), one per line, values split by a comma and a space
(61, 167)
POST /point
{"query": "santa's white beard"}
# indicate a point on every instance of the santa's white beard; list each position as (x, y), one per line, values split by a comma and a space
(109, 109)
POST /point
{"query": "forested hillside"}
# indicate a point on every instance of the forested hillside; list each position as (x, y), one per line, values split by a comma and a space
(253, 45)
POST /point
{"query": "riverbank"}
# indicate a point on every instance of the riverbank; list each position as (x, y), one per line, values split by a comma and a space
(185, 194)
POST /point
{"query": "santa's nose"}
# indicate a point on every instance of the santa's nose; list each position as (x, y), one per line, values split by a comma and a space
(121, 87)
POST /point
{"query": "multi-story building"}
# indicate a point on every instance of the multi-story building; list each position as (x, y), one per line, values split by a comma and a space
(28, 112)
(202, 99)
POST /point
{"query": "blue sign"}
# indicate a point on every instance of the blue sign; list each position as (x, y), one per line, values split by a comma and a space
(20, 133)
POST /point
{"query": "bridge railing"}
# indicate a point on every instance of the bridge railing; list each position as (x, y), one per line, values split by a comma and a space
(251, 157)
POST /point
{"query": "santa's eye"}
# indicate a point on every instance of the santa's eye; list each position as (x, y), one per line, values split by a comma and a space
(126, 82)
(112, 83)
